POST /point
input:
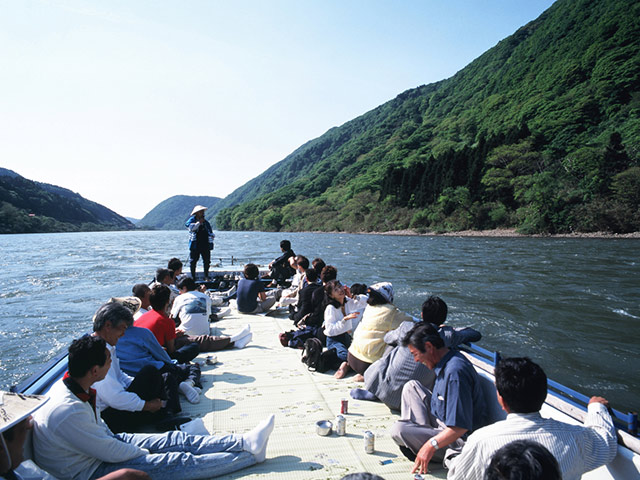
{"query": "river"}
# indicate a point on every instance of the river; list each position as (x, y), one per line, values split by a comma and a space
(571, 304)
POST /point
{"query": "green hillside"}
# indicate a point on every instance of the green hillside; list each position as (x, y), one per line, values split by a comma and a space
(174, 211)
(33, 207)
(541, 132)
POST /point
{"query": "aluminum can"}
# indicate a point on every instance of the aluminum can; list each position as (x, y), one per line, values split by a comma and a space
(344, 406)
(341, 425)
(369, 441)
(211, 360)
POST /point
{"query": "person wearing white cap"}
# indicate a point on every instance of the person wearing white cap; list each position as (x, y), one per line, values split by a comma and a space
(201, 238)
(15, 423)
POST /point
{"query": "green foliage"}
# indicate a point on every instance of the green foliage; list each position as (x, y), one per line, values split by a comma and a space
(31, 207)
(538, 133)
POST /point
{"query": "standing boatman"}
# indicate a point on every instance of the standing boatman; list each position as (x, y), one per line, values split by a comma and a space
(200, 240)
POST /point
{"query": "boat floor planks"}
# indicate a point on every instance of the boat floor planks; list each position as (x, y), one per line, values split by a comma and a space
(247, 385)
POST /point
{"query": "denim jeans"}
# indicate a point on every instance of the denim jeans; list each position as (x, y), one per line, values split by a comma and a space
(340, 343)
(179, 455)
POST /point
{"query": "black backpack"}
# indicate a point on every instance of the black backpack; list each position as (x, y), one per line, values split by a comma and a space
(312, 355)
(317, 360)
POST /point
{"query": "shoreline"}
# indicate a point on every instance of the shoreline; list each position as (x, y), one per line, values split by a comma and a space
(504, 233)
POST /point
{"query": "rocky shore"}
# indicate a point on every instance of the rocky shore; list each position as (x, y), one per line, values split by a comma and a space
(510, 232)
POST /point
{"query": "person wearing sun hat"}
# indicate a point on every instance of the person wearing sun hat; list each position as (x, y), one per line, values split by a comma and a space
(380, 317)
(15, 422)
(201, 238)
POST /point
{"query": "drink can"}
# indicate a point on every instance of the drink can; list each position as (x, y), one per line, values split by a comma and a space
(341, 425)
(344, 406)
(369, 441)
(211, 360)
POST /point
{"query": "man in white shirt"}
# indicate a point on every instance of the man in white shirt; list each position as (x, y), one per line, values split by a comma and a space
(71, 441)
(143, 292)
(129, 403)
(522, 389)
(193, 308)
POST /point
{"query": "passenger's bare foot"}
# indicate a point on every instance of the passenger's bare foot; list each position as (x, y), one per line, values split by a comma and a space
(342, 371)
(358, 378)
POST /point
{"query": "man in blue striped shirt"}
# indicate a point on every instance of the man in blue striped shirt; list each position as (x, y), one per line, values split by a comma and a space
(522, 389)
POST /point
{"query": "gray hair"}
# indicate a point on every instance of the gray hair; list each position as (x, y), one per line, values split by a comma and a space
(115, 313)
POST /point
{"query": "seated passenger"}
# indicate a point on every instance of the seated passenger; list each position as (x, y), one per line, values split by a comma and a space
(191, 310)
(319, 298)
(72, 442)
(305, 297)
(281, 268)
(522, 388)
(175, 264)
(341, 317)
(385, 378)
(139, 348)
(523, 460)
(378, 318)
(164, 328)
(142, 291)
(15, 423)
(290, 295)
(164, 276)
(251, 296)
(431, 420)
(128, 403)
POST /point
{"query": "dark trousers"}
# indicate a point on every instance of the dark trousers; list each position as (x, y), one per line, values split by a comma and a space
(194, 256)
(148, 384)
(186, 353)
(183, 372)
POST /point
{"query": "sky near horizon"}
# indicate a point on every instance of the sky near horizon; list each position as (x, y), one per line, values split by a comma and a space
(129, 102)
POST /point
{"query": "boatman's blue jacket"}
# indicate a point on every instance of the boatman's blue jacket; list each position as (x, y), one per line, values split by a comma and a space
(192, 226)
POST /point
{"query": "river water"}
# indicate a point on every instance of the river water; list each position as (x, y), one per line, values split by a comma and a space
(572, 305)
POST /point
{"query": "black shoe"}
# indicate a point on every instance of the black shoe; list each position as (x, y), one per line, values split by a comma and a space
(170, 422)
(408, 453)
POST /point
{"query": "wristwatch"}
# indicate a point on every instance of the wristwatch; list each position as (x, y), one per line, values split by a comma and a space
(434, 443)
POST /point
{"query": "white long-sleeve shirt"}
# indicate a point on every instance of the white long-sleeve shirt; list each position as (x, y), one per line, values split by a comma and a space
(578, 448)
(112, 390)
(334, 324)
(70, 440)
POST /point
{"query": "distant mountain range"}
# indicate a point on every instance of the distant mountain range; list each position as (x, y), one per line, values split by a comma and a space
(28, 207)
(174, 211)
(541, 133)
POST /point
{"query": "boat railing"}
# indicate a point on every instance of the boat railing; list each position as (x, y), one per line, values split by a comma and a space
(627, 422)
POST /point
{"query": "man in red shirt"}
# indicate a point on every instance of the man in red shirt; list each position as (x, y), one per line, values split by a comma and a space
(164, 328)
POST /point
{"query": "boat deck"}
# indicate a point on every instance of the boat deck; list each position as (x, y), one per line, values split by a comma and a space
(263, 378)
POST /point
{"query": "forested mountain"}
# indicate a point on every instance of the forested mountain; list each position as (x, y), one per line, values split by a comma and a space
(30, 207)
(541, 132)
(174, 211)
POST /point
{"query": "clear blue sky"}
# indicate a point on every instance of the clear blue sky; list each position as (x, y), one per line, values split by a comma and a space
(129, 102)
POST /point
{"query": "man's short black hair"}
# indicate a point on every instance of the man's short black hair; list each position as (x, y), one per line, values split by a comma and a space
(251, 271)
(188, 283)
(161, 274)
(422, 333)
(174, 264)
(285, 245)
(302, 261)
(521, 383)
(140, 290)
(114, 313)
(523, 460)
(85, 353)
(311, 275)
(159, 297)
(434, 310)
(358, 289)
